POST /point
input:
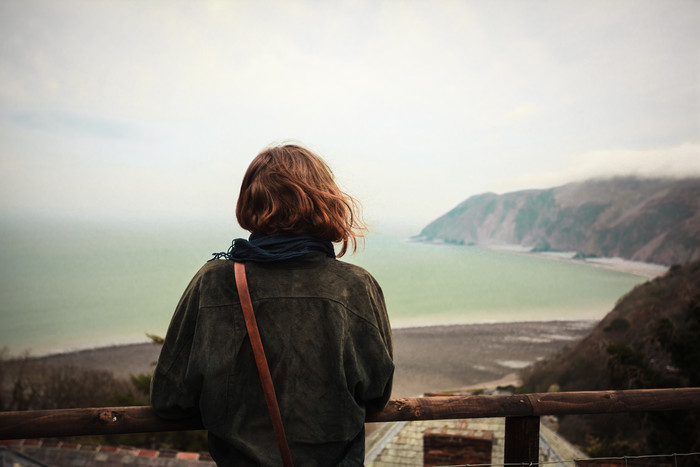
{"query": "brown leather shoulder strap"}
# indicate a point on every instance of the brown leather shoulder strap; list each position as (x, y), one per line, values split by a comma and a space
(261, 362)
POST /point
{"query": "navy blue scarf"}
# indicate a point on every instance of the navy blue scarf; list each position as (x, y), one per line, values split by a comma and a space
(275, 247)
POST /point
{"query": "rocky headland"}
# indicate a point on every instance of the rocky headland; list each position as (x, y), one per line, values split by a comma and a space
(644, 220)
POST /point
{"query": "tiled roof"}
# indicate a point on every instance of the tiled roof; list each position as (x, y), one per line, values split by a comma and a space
(56, 453)
(401, 443)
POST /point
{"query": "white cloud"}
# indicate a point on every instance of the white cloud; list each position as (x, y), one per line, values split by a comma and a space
(521, 111)
(417, 105)
(678, 161)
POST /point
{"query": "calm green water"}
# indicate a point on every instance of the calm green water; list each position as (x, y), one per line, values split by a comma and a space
(75, 285)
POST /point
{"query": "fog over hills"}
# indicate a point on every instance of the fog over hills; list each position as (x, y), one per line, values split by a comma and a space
(649, 220)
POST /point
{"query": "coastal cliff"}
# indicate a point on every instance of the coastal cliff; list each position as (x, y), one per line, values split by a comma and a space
(648, 220)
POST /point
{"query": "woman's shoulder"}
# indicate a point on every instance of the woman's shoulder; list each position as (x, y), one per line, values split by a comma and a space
(215, 268)
(352, 272)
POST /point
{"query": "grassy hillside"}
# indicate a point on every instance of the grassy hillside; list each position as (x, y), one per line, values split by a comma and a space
(651, 339)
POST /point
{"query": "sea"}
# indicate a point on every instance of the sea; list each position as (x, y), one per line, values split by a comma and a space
(70, 284)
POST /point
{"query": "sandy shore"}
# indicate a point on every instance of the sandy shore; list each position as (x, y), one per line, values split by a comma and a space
(428, 359)
(638, 268)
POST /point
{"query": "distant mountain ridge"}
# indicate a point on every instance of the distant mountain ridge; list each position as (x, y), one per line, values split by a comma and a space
(649, 220)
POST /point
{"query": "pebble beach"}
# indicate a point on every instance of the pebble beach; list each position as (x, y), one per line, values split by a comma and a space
(428, 359)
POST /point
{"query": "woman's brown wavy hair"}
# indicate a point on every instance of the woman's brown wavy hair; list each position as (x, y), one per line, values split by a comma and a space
(289, 189)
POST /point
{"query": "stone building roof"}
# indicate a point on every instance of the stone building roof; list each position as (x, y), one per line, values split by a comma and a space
(401, 443)
(52, 452)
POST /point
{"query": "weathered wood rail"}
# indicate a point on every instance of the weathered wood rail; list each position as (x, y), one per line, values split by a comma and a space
(522, 414)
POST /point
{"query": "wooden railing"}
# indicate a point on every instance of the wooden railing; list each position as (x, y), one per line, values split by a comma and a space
(522, 413)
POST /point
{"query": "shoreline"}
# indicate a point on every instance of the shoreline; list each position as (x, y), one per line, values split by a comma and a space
(648, 270)
(146, 342)
(627, 266)
(427, 358)
(69, 351)
(637, 268)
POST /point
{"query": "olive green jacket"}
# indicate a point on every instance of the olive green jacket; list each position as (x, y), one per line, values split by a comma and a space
(327, 339)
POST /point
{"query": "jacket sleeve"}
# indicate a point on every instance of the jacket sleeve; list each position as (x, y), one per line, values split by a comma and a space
(384, 358)
(176, 382)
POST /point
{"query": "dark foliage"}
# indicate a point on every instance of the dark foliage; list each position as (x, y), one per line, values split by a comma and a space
(27, 384)
(650, 340)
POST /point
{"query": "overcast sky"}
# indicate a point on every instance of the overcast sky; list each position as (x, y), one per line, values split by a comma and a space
(131, 108)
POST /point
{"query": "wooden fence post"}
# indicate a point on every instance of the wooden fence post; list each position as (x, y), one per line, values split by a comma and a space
(522, 444)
